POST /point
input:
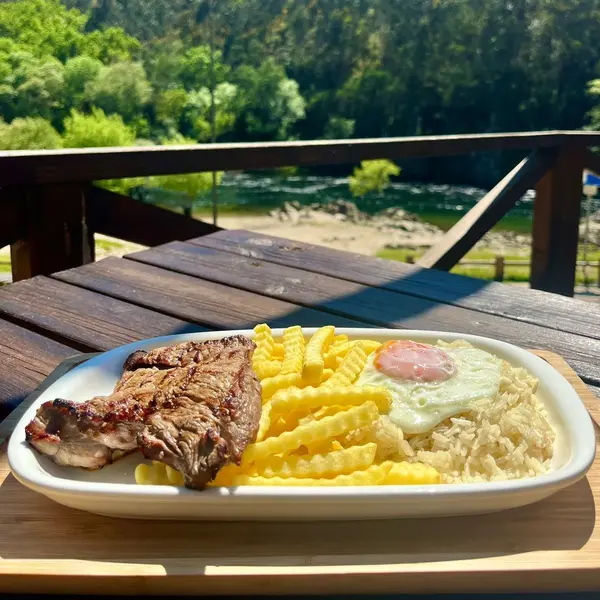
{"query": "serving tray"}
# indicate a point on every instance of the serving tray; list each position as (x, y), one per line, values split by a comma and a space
(551, 545)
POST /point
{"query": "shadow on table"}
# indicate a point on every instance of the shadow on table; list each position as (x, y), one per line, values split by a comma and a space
(30, 524)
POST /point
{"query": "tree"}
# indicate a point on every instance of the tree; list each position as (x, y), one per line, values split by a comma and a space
(198, 110)
(269, 103)
(96, 130)
(195, 68)
(163, 62)
(121, 88)
(144, 19)
(44, 27)
(170, 105)
(30, 133)
(39, 89)
(594, 92)
(372, 176)
(49, 28)
(338, 128)
(79, 72)
(110, 45)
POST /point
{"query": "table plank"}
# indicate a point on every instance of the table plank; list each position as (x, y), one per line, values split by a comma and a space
(531, 306)
(82, 319)
(207, 303)
(26, 358)
(375, 305)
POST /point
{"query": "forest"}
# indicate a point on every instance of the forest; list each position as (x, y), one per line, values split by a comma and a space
(84, 73)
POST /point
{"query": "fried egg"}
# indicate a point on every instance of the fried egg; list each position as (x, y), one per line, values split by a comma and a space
(429, 384)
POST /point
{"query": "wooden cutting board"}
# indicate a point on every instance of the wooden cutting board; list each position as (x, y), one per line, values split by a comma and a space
(553, 545)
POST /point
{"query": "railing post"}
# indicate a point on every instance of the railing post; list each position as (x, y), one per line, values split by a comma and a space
(556, 216)
(499, 268)
(56, 236)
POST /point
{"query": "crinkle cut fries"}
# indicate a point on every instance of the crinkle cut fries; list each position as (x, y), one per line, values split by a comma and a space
(317, 428)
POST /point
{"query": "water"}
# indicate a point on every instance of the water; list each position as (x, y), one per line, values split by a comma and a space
(441, 205)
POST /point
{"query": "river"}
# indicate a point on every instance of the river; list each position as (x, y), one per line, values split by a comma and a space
(441, 205)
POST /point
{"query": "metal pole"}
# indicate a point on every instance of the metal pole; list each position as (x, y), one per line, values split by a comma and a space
(213, 129)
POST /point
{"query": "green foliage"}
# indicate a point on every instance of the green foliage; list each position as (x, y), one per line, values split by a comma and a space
(110, 45)
(594, 114)
(305, 70)
(198, 110)
(338, 128)
(30, 133)
(121, 88)
(39, 88)
(96, 130)
(195, 68)
(269, 103)
(162, 60)
(372, 176)
(189, 184)
(48, 28)
(79, 72)
(170, 105)
(44, 27)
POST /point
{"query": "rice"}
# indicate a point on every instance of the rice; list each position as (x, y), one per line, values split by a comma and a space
(506, 437)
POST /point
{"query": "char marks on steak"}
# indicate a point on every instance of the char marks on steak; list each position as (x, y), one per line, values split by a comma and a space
(194, 406)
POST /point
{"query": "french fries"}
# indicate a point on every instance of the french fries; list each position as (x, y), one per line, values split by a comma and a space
(350, 367)
(264, 361)
(312, 409)
(293, 351)
(314, 398)
(314, 363)
(332, 464)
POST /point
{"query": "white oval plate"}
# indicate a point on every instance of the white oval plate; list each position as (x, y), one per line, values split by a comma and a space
(112, 490)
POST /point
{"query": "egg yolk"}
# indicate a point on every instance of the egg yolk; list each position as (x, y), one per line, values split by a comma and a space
(413, 361)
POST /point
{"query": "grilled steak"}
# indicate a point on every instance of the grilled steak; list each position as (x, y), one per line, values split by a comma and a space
(194, 406)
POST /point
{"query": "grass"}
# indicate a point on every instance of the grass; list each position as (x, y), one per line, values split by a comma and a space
(226, 210)
(511, 273)
(108, 245)
(446, 220)
(4, 266)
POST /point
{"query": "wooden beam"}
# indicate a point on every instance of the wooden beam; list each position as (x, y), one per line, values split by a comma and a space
(92, 164)
(556, 217)
(127, 219)
(12, 215)
(487, 212)
(55, 235)
(591, 162)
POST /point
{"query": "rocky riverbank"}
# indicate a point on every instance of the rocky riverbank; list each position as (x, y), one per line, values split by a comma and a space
(341, 225)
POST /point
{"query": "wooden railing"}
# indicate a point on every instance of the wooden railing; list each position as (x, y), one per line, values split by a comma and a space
(49, 208)
(498, 264)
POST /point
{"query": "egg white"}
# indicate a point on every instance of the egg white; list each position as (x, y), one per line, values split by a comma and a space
(418, 407)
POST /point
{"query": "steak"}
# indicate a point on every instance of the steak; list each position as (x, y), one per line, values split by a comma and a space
(194, 406)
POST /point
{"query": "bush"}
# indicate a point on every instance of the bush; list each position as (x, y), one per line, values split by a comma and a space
(371, 176)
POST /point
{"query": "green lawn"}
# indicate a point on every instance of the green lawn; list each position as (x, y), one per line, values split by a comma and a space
(108, 245)
(511, 273)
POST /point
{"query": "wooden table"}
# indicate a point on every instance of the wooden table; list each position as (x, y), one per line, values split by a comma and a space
(234, 279)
